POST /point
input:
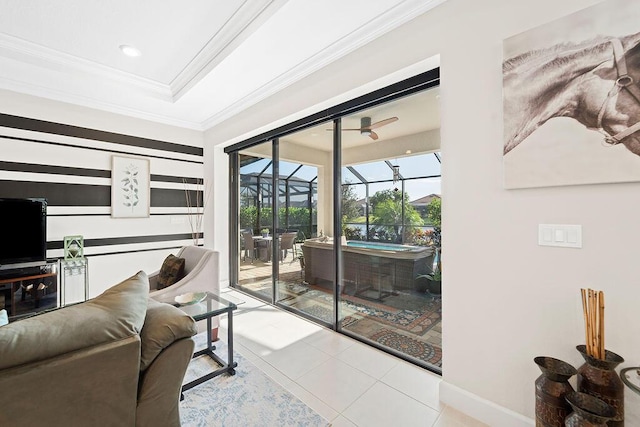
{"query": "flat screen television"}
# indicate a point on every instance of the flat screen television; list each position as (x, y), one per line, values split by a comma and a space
(23, 227)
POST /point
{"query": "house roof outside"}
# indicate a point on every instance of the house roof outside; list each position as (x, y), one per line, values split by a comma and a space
(424, 201)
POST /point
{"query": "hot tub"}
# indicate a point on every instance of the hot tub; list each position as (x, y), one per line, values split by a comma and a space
(398, 264)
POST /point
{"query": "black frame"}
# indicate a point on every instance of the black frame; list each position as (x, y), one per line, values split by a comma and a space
(418, 83)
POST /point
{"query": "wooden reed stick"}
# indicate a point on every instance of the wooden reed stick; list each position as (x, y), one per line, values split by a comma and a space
(586, 317)
(601, 337)
(593, 313)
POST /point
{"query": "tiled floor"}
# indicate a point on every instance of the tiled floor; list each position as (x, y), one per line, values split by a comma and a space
(345, 381)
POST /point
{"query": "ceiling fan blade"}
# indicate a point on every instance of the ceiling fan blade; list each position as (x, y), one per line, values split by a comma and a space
(383, 122)
(373, 135)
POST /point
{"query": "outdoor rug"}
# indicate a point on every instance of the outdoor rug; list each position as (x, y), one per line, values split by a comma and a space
(248, 398)
(413, 331)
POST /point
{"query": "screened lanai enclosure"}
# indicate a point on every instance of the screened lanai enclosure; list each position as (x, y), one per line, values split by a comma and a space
(339, 222)
(296, 191)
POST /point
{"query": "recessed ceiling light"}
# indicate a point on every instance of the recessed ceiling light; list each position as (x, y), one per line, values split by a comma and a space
(407, 152)
(130, 50)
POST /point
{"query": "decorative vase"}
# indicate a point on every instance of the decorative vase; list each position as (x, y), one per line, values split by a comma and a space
(588, 411)
(598, 378)
(551, 388)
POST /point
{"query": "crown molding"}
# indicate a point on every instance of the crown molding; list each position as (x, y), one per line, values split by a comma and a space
(51, 59)
(89, 102)
(381, 24)
(238, 28)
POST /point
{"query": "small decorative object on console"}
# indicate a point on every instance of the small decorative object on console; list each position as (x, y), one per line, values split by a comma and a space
(73, 247)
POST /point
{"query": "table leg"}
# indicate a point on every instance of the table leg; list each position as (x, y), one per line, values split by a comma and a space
(230, 343)
(225, 367)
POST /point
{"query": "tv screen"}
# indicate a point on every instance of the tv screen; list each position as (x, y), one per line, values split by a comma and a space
(23, 227)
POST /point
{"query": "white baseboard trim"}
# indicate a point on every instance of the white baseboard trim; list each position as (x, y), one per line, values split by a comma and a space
(481, 409)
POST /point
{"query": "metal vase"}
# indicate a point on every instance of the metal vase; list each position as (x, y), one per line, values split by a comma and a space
(598, 378)
(551, 388)
(588, 411)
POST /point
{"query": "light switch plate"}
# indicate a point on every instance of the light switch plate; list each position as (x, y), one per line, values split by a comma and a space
(562, 235)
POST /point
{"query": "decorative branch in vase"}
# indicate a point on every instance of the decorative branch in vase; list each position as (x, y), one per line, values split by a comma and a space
(196, 207)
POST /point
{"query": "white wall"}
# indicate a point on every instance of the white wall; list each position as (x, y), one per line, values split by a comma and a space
(505, 299)
(44, 162)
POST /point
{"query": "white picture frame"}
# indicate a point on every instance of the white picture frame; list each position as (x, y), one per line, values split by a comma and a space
(130, 189)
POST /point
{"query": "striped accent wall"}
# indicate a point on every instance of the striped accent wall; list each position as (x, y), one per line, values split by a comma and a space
(70, 166)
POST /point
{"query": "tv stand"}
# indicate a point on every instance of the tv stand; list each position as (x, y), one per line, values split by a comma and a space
(36, 282)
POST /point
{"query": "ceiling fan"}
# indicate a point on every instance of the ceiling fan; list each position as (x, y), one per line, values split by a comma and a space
(366, 127)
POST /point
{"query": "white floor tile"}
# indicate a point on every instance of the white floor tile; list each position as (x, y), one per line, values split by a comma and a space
(296, 359)
(312, 401)
(336, 383)
(296, 328)
(369, 360)
(341, 421)
(449, 417)
(329, 341)
(385, 406)
(297, 354)
(292, 387)
(416, 382)
(266, 340)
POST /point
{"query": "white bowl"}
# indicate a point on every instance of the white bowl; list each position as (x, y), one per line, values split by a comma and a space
(190, 297)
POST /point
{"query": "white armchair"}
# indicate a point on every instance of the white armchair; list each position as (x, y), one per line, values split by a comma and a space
(201, 273)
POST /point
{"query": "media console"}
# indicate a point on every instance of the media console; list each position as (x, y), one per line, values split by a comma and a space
(29, 289)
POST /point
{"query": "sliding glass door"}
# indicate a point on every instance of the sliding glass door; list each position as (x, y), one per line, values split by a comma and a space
(255, 220)
(305, 216)
(390, 186)
(339, 222)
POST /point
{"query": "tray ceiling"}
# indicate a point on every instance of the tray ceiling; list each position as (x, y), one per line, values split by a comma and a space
(201, 61)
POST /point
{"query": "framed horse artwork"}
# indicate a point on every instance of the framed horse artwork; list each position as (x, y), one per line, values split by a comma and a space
(571, 99)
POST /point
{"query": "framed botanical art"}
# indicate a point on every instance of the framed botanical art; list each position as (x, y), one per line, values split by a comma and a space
(130, 194)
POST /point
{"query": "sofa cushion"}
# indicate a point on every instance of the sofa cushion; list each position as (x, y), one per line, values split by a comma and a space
(163, 325)
(171, 271)
(117, 313)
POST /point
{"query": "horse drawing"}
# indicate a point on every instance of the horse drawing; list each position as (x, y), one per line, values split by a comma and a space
(595, 82)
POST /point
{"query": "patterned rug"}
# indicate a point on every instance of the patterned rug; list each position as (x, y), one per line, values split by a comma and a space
(248, 398)
(418, 349)
(417, 321)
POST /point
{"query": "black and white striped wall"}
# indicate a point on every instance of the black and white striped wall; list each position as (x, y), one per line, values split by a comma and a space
(70, 166)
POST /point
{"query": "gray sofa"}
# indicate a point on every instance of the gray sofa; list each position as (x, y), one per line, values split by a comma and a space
(116, 360)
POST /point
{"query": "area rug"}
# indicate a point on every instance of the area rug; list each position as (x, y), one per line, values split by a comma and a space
(416, 321)
(248, 398)
(418, 349)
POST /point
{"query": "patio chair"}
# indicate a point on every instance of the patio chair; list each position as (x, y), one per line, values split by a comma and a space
(250, 249)
(287, 242)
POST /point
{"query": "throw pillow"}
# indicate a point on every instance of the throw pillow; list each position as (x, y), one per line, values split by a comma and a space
(4, 318)
(171, 271)
(163, 325)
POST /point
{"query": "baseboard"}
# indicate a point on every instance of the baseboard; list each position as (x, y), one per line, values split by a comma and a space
(481, 409)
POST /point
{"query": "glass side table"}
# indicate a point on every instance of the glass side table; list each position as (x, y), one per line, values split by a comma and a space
(211, 306)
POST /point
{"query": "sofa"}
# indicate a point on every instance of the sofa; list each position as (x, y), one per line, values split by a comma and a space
(116, 360)
(201, 273)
